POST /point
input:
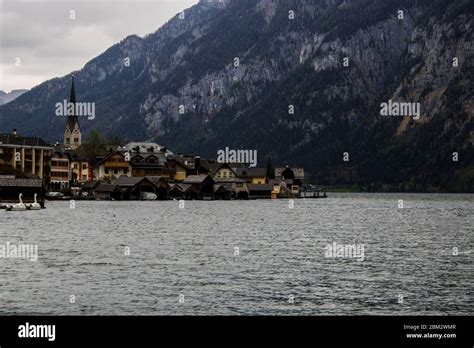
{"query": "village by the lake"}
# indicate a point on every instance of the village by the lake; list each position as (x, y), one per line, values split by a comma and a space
(33, 171)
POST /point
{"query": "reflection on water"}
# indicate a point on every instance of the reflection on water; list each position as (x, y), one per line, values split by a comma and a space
(243, 257)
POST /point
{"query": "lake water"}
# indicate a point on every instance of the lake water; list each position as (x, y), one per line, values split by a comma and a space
(185, 261)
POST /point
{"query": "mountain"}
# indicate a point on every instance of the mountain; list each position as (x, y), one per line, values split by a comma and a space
(229, 72)
(8, 97)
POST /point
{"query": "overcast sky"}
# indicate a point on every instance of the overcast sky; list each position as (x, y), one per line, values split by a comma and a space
(50, 44)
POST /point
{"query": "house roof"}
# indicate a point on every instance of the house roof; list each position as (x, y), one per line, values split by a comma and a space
(154, 178)
(104, 187)
(184, 187)
(111, 147)
(279, 181)
(196, 179)
(74, 156)
(158, 181)
(185, 161)
(145, 148)
(210, 165)
(13, 182)
(250, 172)
(229, 180)
(108, 156)
(180, 187)
(260, 187)
(128, 180)
(11, 139)
(91, 184)
(298, 172)
(57, 153)
(220, 188)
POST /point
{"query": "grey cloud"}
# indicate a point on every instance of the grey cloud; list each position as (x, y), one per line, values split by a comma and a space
(51, 44)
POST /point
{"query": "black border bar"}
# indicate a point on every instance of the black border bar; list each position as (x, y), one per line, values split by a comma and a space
(253, 330)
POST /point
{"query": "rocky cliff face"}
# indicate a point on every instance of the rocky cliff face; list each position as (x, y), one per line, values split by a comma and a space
(301, 81)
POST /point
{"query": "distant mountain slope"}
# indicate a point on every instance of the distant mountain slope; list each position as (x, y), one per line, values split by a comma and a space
(8, 97)
(190, 65)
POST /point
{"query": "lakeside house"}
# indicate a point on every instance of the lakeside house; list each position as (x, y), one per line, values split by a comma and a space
(105, 191)
(11, 187)
(256, 176)
(30, 155)
(138, 170)
(81, 170)
(130, 188)
(60, 170)
(184, 191)
(290, 180)
(25, 167)
(224, 171)
(122, 173)
(111, 166)
(261, 191)
(68, 169)
(174, 170)
(162, 186)
(88, 188)
(133, 188)
(231, 188)
(145, 158)
(202, 186)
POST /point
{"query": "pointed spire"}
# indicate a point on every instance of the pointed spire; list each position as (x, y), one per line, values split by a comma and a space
(72, 97)
(72, 118)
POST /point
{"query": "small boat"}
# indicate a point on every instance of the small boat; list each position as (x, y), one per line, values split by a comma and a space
(310, 191)
(148, 196)
(56, 196)
(17, 207)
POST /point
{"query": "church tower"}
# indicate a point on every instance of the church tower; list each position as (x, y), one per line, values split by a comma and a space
(72, 132)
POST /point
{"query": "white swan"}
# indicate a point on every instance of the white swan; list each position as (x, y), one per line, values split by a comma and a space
(20, 206)
(35, 205)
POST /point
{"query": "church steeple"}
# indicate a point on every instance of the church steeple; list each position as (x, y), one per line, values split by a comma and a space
(72, 132)
(72, 117)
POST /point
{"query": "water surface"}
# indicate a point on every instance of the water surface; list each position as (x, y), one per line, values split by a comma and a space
(191, 251)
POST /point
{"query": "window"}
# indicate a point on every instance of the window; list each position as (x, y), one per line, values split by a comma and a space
(84, 166)
(106, 171)
(76, 140)
(115, 171)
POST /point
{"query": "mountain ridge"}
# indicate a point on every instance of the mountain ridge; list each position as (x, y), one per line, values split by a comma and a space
(189, 64)
(10, 96)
